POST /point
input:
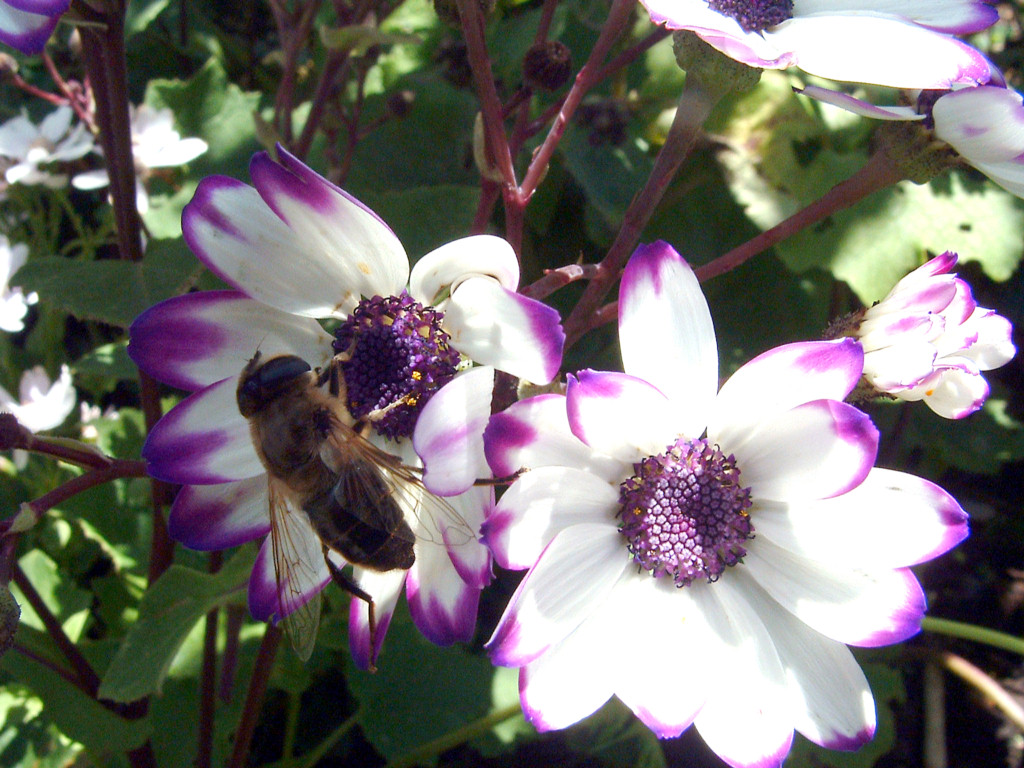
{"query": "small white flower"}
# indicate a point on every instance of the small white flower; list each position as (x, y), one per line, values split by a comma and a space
(929, 340)
(155, 144)
(29, 147)
(42, 404)
(14, 303)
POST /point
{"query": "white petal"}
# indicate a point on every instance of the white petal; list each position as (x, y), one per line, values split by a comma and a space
(493, 325)
(539, 505)
(983, 124)
(385, 588)
(666, 334)
(854, 606)
(442, 270)
(449, 433)
(890, 520)
(573, 576)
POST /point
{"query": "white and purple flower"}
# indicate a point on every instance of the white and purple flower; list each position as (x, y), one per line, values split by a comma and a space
(297, 248)
(27, 24)
(985, 125)
(929, 340)
(706, 556)
(899, 43)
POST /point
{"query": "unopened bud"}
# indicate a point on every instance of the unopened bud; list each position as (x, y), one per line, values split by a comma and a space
(547, 66)
(913, 150)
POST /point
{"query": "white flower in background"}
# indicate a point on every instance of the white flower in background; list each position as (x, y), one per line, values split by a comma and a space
(29, 147)
(929, 340)
(985, 125)
(41, 404)
(900, 43)
(155, 144)
(14, 303)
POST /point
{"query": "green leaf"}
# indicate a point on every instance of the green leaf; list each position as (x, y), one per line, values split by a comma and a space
(141, 14)
(356, 38)
(109, 362)
(76, 714)
(110, 291)
(65, 601)
(169, 610)
(412, 671)
(212, 108)
(427, 217)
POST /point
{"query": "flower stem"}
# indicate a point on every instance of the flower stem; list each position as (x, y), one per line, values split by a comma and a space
(695, 104)
(976, 634)
(424, 753)
(878, 173)
(254, 698)
(208, 682)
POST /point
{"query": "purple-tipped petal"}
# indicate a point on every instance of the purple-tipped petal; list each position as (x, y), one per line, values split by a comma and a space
(984, 124)
(336, 237)
(666, 334)
(27, 25)
(853, 606)
(385, 588)
(621, 416)
(471, 558)
(203, 440)
(891, 520)
(783, 378)
(273, 595)
(535, 433)
(572, 577)
(214, 517)
(442, 605)
(495, 326)
(814, 451)
(539, 505)
(197, 339)
(449, 433)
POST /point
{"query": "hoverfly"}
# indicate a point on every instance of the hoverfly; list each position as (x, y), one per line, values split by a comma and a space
(321, 467)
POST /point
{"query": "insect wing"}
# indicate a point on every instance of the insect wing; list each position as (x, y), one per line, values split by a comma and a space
(297, 554)
(436, 519)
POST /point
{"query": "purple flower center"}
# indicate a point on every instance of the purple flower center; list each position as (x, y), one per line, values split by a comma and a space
(754, 15)
(684, 512)
(395, 357)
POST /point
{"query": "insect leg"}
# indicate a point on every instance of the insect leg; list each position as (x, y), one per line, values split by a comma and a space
(346, 583)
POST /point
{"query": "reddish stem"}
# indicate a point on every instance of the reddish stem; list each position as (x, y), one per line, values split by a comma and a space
(878, 173)
(254, 698)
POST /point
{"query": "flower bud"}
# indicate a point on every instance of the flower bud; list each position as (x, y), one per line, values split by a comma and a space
(547, 66)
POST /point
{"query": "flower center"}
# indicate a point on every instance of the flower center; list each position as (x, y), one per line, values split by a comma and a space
(684, 512)
(395, 356)
(754, 15)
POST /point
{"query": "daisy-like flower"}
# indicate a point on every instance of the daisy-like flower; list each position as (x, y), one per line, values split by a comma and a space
(27, 24)
(14, 303)
(155, 144)
(41, 404)
(929, 340)
(899, 43)
(706, 557)
(985, 125)
(296, 248)
(29, 147)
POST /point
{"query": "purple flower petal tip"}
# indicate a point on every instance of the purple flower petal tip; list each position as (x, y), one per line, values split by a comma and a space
(905, 622)
(503, 646)
(822, 357)
(843, 743)
(660, 728)
(647, 264)
(210, 523)
(855, 428)
(31, 37)
(439, 624)
(549, 335)
(359, 634)
(179, 457)
(504, 436)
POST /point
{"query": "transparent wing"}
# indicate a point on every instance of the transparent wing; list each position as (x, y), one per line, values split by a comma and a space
(436, 520)
(297, 554)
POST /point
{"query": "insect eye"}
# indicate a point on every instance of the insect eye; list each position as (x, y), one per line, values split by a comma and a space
(280, 371)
